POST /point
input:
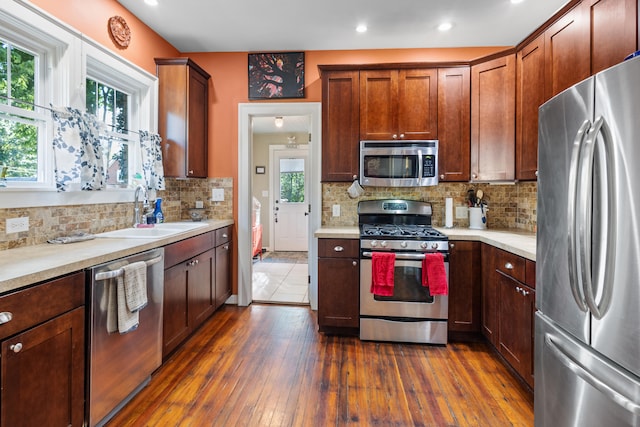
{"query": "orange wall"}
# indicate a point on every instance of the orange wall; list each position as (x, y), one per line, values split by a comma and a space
(91, 17)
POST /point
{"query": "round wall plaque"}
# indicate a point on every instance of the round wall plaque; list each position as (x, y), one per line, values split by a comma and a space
(119, 31)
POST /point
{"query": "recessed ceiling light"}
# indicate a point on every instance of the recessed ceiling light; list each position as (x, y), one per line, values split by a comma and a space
(361, 28)
(279, 122)
(151, 2)
(445, 26)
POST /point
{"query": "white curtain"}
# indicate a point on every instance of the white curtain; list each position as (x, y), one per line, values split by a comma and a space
(152, 160)
(77, 148)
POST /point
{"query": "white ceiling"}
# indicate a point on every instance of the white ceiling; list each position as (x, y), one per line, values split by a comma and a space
(295, 25)
(291, 124)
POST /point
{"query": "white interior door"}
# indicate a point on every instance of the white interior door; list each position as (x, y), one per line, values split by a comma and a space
(291, 200)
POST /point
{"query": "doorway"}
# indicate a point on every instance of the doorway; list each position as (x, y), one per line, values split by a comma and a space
(246, 114)
(281, 210)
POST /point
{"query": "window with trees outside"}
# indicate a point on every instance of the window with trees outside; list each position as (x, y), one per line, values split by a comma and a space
(22, 125)
(111, 107)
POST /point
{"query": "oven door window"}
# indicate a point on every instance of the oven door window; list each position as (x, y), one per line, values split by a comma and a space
(407, 285)
(391, 166)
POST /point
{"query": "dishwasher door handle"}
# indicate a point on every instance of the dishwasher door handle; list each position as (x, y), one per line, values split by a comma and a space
(119, 272)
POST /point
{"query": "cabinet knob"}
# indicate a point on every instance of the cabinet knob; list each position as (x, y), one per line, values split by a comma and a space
(5, 317)
(524, 292)
(355, 177)
(394, 136)
(191, 172)
(16, 347)
(508, 266)
(536, 173)
(225, 235)
(442, 176)
(354, 263)
(226, 247)
(452, 245)
(474, 175)
(338, 249)
(402, 136)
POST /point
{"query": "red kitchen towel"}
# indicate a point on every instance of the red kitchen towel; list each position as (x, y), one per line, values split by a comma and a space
(434, 275)
(382, 269)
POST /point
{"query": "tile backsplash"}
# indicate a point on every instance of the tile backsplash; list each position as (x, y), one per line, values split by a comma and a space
(53, 221)
(510, 206)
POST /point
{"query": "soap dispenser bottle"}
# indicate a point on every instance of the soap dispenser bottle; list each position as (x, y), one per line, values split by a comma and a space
(157, 213)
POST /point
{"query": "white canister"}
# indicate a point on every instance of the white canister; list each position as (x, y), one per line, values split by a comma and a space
(476, 217)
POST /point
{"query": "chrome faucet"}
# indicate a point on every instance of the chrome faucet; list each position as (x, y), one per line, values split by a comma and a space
(145, 205)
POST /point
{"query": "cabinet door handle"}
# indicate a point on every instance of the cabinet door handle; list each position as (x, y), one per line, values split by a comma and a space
(5, 317)
(508, 266)
(16, 347)
(338, 249)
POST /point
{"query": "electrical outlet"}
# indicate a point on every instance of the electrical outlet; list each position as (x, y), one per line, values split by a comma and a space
(16, 225)
(217, 194)
(462, 212)
(336, 210)
(199, 204)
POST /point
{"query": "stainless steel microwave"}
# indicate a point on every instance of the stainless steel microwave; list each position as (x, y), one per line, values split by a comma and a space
(409, 163)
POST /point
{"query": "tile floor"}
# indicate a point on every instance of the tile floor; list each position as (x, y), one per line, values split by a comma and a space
(281, 277)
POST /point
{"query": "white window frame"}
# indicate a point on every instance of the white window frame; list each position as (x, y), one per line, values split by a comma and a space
(68, 57)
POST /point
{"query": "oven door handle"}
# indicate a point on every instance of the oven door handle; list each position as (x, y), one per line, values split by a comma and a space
(410, 257)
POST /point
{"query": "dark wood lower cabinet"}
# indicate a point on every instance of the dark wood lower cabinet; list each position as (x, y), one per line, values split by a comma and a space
(42, 364)
(338, 284)
(465, 277)
(517, 304)
(197, 280)
(508, 307)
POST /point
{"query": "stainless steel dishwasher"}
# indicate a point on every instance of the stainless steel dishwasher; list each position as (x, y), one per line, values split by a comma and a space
(120, 365)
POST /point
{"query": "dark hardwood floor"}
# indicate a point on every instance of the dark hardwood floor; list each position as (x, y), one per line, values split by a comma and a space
(267, 365)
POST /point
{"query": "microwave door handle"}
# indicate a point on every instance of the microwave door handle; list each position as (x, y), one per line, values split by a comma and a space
(420, 167)
(572, 247)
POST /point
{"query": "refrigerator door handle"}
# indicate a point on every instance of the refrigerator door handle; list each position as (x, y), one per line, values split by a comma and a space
(574, 185)
(603, 271)
(573, 364)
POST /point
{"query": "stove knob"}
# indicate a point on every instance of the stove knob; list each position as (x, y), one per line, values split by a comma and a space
(434, 246)
(423, 245)
(383, 243)
(374, 243)
(403, 244)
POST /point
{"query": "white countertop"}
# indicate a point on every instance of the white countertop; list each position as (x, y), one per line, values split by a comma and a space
(518, 242)
(32, 264)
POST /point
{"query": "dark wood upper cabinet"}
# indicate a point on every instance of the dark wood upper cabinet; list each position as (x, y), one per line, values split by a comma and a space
(340, 125)
(614, 31)
(183, 120)
(454, 121)
(567, 51)
(493, 119)
(529, 96)
(398, 104)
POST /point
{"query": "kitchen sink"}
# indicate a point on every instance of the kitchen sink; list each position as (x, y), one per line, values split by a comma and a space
(158, 231)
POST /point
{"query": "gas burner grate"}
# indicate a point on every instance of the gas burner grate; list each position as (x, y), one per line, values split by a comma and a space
(402, 231)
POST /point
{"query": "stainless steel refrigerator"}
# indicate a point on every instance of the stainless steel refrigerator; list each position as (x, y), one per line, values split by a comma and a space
(587, 328)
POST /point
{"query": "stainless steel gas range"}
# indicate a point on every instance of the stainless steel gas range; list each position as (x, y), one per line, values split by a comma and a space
(411, 314)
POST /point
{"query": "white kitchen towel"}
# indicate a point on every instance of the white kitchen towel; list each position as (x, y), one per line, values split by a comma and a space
(135, 285)
(355, 190)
